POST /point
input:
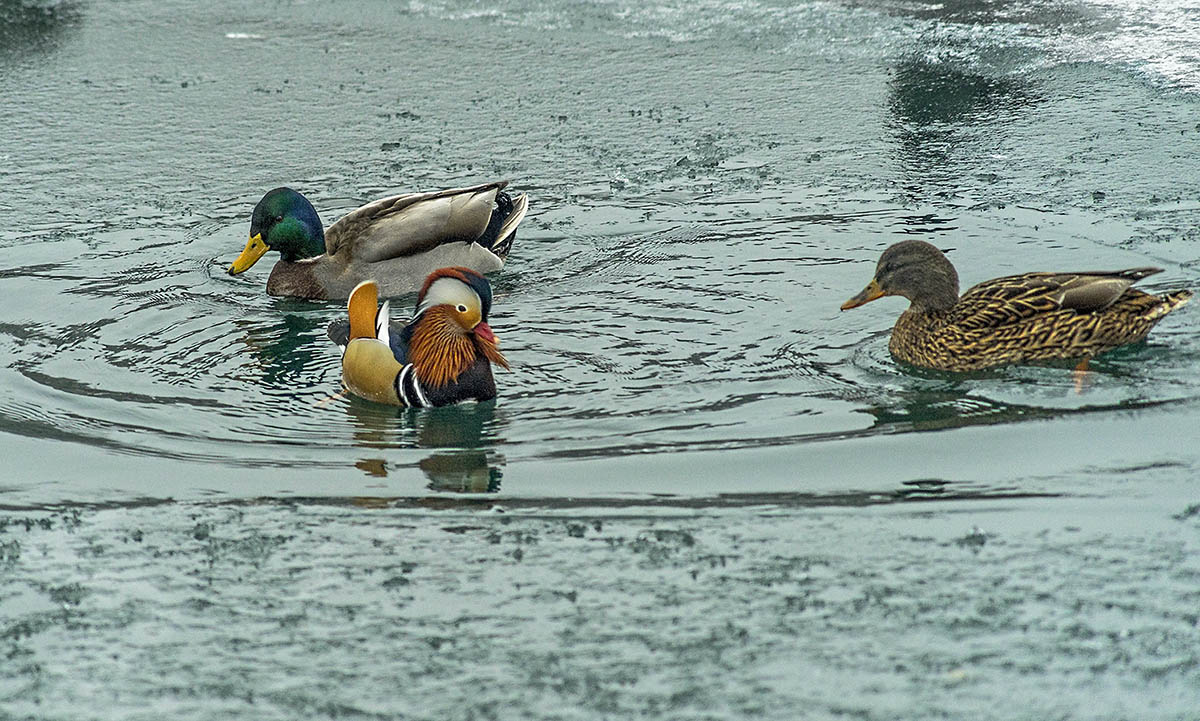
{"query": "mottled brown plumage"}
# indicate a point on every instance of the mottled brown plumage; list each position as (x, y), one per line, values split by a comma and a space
(1016, 319)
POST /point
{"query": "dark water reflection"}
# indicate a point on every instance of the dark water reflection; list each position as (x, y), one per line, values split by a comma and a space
(932, 95)
(464, 438)
(284, 349)
(31, 27)
(948, 120)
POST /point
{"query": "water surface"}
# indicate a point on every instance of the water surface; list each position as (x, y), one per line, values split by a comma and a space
(709, 181)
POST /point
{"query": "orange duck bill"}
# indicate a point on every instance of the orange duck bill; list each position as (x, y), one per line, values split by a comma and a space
(868, 294)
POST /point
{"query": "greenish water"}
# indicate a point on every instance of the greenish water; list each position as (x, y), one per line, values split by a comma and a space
(708, 185)
(709, 181)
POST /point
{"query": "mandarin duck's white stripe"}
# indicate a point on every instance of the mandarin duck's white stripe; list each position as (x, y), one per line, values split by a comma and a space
(381, 323)
(416, 384)
(409, 390)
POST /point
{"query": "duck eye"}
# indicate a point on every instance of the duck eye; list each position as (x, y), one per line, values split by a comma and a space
(278, 218)
(462, 308)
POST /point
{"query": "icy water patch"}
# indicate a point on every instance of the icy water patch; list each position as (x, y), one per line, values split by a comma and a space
(898, 612)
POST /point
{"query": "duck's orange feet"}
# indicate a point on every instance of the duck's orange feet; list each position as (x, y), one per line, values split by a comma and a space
(1080, 374)
(329, 399)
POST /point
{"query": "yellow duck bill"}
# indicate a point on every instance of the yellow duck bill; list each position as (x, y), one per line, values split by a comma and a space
(255, 249)
(868, 294)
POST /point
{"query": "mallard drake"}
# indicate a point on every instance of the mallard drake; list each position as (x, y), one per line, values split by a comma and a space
(444, 355)
(396, 241)
(1015, 319)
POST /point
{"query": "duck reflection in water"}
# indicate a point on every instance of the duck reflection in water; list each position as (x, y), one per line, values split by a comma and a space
(946, 116)
(460, 434)
(285, 349)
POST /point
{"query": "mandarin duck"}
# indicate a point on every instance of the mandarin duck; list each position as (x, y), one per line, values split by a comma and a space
(444, 355)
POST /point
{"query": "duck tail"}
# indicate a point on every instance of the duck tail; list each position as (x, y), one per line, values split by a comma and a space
(1136, 274)
(1175, 299)
(1167, 302)
(502, 227)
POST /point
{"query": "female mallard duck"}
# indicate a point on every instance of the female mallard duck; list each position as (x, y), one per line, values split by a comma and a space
(443, 356)
(1015, 319)
(396, 241)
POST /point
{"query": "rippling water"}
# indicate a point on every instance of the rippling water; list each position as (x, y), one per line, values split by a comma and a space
(704, 491)
(709, 182)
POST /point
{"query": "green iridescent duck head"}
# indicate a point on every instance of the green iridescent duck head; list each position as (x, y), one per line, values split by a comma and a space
(285, 221)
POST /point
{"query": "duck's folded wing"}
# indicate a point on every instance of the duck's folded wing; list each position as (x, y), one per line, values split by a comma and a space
(405, 225)
(1015, 298)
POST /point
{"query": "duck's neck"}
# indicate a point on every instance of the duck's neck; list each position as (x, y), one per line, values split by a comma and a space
(298, 238)
(937, 294)
(922, 318)
(934, 306)
(935, 290)
(438, 348)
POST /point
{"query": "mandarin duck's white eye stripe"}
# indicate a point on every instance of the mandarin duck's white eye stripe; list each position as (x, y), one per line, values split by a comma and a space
(452, 292)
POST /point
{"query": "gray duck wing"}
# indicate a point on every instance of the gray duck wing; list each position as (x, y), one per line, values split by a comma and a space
(408, 224)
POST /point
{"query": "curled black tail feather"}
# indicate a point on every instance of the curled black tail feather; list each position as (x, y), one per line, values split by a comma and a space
(339, 331)
(490, 239)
